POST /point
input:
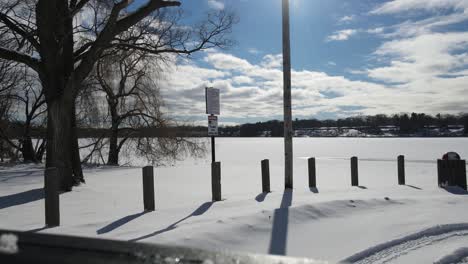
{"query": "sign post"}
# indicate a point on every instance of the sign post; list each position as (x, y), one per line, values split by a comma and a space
(212, 109)
(213, 131)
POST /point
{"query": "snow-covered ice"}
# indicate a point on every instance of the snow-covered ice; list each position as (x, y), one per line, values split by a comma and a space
(374, 223)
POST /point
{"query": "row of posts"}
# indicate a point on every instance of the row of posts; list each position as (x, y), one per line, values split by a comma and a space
(52, 180)
(313, 173)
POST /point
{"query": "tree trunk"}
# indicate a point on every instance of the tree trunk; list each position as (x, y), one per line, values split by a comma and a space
(27, 150)
(41, 150)
(76, 159)
(59, 132)
(113, 158)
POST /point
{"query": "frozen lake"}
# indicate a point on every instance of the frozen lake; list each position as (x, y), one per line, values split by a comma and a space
(366, 225)
(240, 159)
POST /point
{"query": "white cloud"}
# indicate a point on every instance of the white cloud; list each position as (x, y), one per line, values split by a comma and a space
(253, 51)
(423, 57)
(398, 6)
(377, 30)
(347, 19)
(341, 35)
(223, 61)
(272, 61)
(216, 4)
(242, 80)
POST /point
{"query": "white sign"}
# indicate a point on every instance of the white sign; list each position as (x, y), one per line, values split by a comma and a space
(212, 125)
(212, 101)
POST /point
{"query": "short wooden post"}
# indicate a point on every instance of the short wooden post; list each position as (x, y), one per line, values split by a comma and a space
(312, 173)
(354, 171)
(401, 170)
(265, 176)
(216, 181)
(52, 202)
(148, 188)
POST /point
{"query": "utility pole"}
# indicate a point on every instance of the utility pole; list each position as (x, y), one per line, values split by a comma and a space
(288, 131)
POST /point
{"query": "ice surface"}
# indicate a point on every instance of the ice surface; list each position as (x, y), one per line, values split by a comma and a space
(333, 222)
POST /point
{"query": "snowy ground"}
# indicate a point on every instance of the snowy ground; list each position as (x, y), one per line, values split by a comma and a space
(374, 223)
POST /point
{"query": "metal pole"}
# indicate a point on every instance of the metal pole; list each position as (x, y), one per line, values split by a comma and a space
(213, 154)
(288, 148)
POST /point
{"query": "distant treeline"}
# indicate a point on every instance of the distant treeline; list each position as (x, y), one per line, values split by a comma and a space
(406, 124)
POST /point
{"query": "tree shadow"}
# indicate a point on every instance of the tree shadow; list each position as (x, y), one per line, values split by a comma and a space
(414, 187)
(261, 197)
(9, 175)
(455, 190)
(279, 231)
(21, 198)
(314, 190)
(199, 211)
(118, 223)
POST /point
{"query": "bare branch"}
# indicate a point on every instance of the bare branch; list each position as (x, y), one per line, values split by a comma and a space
(10, 23)
(19, 57)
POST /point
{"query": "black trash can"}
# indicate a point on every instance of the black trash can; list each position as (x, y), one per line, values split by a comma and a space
(451, 170)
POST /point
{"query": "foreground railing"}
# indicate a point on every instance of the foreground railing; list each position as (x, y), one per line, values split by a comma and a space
(29, 247)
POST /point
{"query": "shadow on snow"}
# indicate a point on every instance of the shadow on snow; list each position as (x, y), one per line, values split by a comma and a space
(199, 211)
(21, 198)
(118, 223)
(261, 197)
(279, 231)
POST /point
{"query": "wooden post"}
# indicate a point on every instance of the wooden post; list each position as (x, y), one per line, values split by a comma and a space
(354, 171)
(288, 130)
(265, 176)
(312, 173)
(216, 181)
(148, 188)
(52, 202)
(401, 170)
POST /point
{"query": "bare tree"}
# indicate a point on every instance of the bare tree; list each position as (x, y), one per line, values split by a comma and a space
(24, 107)
(129, 93)
(8, 79)
(49, 37)
(127, 78)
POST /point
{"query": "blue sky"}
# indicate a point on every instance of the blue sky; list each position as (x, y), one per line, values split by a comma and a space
(349, 57)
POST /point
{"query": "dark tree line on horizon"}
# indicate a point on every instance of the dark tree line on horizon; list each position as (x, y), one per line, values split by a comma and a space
(405, 123)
